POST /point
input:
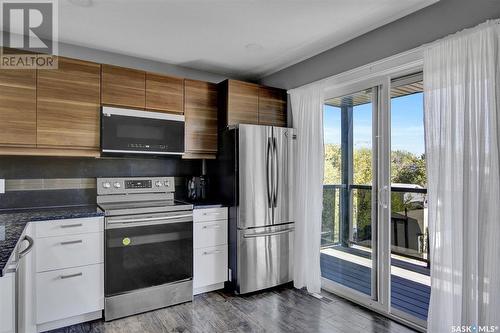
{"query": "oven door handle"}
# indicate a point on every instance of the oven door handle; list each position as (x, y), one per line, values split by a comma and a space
(153, 220)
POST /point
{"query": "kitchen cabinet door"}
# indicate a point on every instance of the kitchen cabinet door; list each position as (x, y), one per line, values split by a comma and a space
(209, 266)
(68, 105)
(200, 110)
(164, 93)
(123, 87)
(18, 107)
(242, 103)
(26, 284)
(65, 293)
(7, 303)
(272, 106)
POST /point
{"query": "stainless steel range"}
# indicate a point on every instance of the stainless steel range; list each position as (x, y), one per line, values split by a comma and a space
(149, 245)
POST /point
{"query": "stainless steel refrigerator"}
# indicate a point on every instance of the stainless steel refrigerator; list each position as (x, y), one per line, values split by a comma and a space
(256, 170)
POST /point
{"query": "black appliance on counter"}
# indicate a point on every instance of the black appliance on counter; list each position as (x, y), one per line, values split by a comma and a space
(197, 189)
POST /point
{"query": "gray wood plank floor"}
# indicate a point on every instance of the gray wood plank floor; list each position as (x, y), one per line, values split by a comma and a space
(279, 310)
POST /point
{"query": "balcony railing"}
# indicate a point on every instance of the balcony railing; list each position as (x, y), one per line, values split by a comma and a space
(347, 216)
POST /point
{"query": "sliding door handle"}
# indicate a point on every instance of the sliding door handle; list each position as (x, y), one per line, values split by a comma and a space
(382, 195)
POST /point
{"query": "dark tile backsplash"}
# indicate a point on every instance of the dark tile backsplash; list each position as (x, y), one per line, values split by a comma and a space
(47, 198)
(21, 167)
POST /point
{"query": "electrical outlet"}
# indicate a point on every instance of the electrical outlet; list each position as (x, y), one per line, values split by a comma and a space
(2, 185)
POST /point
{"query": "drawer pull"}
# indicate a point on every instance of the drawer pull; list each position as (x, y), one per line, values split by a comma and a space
(72, 242)
(213, 226)
(71, 225)
(211, 252)
(62, 277)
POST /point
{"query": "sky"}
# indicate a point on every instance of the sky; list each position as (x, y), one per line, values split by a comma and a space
(407, 124)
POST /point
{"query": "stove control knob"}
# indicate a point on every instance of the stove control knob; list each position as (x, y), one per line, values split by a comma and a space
(158, 183)
(117, 185)
(106, 185)
(167, 183)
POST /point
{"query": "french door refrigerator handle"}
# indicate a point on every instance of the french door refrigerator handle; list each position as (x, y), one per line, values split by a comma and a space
(276, 173)
(263, 234)
(268, 176)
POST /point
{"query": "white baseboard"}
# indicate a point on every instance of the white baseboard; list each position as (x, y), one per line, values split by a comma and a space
(69, 321)
(206, 289)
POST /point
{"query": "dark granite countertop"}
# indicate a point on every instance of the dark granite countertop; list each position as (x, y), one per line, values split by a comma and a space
(203, 203)
(207, 205)
(13, 223)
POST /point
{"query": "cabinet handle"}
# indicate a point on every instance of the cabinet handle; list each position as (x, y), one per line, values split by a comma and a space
(62, 277)
(71, 225)
(211, 213)
(72, 242)
(211, 252)
(29, 248)
(213, 226)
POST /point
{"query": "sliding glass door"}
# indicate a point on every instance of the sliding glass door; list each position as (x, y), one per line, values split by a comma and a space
(410, 262)
(348, 239)
(374, 230)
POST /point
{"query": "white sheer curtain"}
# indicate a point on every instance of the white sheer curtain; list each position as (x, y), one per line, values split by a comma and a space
(307, 113)
(462, 103)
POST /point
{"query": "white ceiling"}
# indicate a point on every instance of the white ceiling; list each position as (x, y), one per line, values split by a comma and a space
(238, 38)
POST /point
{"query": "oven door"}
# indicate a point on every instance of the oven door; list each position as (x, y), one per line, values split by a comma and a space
(147, 250)
(141, 132)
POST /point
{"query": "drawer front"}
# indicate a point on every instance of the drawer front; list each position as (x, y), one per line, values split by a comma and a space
(69, 292)
(69, 251)
(209, 214)
(69, 227)
(208, 234)
(210, 266)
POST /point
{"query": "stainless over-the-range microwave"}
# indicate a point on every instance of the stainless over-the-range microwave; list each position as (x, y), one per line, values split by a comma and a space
(129, 131)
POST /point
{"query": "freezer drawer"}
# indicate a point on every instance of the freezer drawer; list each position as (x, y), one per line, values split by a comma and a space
(265, 257)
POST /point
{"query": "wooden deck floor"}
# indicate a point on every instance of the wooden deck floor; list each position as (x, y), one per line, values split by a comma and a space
(406, 295)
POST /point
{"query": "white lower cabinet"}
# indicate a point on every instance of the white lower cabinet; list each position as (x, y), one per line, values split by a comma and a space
(210, 266)
(7, 303)
(69, 251)
(210, 253)
(69, 292)
(68, 272)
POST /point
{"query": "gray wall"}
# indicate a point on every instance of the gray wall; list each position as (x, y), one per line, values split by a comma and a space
(105, 57)
(424, 26)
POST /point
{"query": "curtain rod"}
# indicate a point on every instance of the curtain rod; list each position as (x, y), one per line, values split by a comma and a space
(463, 32)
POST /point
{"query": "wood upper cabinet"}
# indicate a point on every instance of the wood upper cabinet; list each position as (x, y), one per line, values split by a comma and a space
(249, 103)
(123, 87)
(272, 106)
(18, 107)
(164, 93)
(241, 102)
(200, 110)
(68, 105)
